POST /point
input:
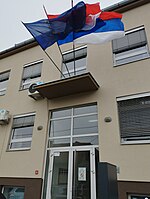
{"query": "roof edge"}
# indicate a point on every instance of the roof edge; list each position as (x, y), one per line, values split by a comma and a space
(18, 48)
(120, 7)
(126, 5)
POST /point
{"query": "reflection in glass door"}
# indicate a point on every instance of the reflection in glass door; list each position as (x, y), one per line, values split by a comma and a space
(81, 188)
(59, 180)
(72, 174)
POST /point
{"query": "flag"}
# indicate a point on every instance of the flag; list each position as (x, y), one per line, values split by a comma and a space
(91, 9)
(112, 29)
(47, 31)
(92, 23)
(92, 13)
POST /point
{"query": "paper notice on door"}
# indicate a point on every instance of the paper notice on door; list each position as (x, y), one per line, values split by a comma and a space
(82, 174)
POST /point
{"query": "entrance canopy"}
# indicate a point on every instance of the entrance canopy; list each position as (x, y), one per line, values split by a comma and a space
(64, 87)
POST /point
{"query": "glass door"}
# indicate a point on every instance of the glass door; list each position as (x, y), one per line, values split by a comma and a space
(81, 183)
(72, 174)
(58, 175)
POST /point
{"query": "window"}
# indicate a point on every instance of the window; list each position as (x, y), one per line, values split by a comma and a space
(21, 135)
(31, 74)
(139, 196)
(131, 47)
(134, 116)
(13, 192)
(74, 127)
(4, 77)
(74, 62)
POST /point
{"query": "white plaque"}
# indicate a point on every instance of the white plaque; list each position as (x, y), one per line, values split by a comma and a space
(82, 174)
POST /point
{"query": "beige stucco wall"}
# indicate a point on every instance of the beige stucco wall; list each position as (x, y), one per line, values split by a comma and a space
(133, 78)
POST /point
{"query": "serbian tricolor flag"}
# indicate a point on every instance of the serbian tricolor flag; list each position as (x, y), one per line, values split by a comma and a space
(84, 23)
(58, 28)
(113, 28)
(92, 12)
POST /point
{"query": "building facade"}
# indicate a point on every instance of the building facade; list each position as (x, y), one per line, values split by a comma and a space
(53, 134)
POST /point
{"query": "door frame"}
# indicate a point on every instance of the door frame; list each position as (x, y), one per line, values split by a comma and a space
(70, 169)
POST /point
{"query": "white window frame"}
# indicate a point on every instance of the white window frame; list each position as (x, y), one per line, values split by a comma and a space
(71, 136)
(142, 195)
(22, 139)
(3, 90)
(138, 140)
(82, 68)
(131, 53)
(27, 82)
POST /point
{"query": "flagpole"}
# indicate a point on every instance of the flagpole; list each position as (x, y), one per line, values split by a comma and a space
(47, 54)
(58, 45)
(63, 60)
(74, 66)
(53, 63)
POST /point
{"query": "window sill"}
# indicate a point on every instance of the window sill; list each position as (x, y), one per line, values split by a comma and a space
(140, 142)
(17, 150)
(118, 65)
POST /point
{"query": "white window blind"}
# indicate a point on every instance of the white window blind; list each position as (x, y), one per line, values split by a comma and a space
(4, 76)
(32, 71)
(31, 74)
(132, 47)
(130, 41)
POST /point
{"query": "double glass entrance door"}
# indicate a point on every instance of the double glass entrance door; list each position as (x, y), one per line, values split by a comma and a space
(72, 174)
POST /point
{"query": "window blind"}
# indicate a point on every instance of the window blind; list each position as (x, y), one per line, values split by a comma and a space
(23, 121)
(130, 41)
(78, 54)
(4, 76)
(32, 71)
(134, 116)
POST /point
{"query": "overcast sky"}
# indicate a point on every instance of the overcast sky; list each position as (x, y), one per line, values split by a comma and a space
(12, 12)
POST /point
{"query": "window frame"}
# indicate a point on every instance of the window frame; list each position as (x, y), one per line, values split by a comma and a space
(73, 136)
(15, 140)
(138, 195)
(124, 141)
(129, 54)
(25, 83)
(71, 71)
(13, 187)
(3, 90)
